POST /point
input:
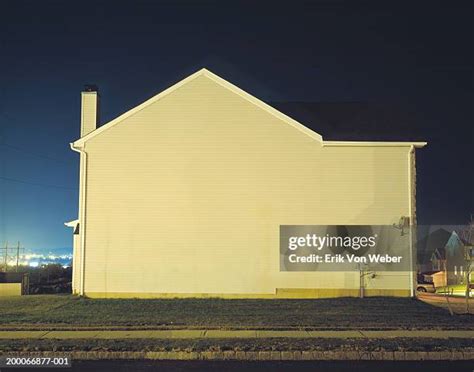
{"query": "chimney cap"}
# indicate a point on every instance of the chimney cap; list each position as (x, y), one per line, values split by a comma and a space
(91, 88)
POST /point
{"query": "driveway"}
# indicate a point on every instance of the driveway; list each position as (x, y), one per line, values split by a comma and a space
(457, 304)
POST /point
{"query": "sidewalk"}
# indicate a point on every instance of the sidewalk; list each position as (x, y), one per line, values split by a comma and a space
(210, 334)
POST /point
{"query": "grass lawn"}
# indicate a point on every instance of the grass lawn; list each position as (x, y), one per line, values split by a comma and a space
(244, 344)
(458, 290)
(65, 311)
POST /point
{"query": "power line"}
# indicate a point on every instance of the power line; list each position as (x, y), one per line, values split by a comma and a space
(6, 256)
(22, 122)
(37, 183)
(38, 155)
(29, 152)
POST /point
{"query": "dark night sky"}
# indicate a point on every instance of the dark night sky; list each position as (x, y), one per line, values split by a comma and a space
(417, 55)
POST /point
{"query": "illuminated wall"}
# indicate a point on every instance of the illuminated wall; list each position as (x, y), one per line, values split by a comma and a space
(186, 197)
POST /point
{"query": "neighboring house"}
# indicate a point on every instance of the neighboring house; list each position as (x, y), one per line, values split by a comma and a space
(438, 259)
(442, 257)
(430, 251)
(184, 195)
(456, 262)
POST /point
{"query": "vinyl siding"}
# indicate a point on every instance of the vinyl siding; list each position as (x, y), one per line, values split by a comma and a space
(187, 196)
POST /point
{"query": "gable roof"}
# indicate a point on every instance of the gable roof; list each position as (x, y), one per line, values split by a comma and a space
(359, 120)
(428, 245)
(204, 72)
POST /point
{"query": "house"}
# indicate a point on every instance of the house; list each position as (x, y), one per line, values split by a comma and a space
(184, 195)
(430, 250)
(442, 256)
(454, 255)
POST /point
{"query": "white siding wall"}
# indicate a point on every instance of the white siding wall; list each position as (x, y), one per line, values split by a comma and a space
(187, 196)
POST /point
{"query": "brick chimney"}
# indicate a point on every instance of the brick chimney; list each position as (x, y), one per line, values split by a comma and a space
(89, 109)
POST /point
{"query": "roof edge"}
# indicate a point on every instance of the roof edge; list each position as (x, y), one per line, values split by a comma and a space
(265, 106)
(247, 96)
(79, 142)
(373, 144)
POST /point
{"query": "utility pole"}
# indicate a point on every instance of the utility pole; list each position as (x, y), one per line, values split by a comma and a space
(18, 255)
(5, 257)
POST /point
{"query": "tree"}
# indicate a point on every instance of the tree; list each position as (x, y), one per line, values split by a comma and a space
(466, 236)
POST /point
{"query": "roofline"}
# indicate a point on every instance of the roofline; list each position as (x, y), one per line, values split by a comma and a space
(373, 144)
(224, 83)
(202, 72)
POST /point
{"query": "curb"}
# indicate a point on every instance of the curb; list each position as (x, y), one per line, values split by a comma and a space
(254, 355)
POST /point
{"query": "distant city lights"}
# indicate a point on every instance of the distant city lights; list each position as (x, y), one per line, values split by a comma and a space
(37, 260)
